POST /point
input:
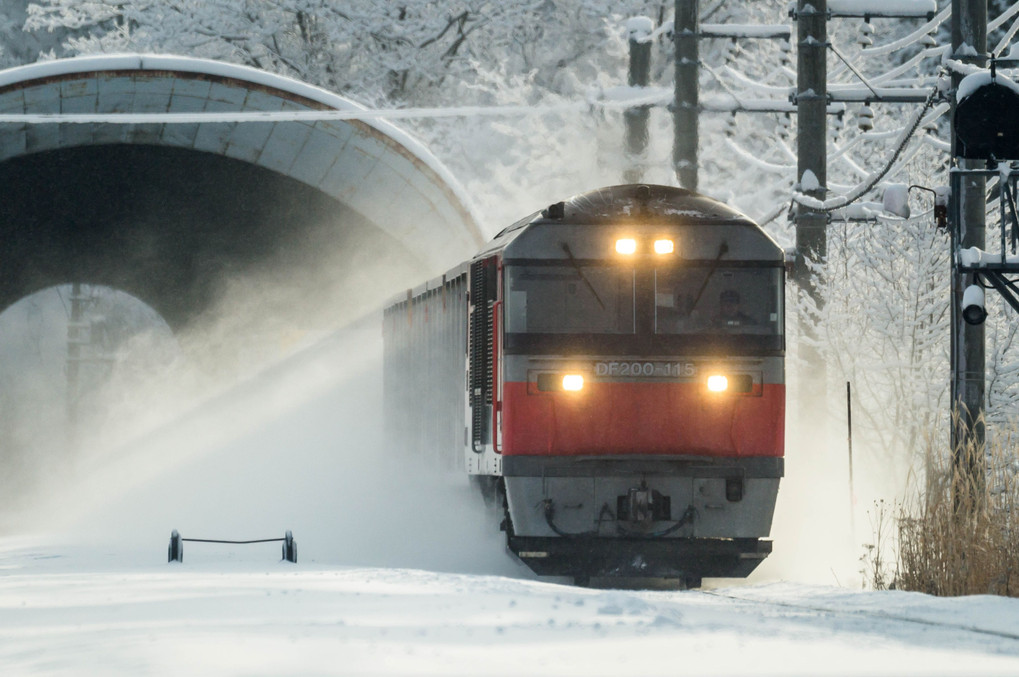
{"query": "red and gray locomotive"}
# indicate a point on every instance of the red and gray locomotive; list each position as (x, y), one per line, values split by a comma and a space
(611, 370)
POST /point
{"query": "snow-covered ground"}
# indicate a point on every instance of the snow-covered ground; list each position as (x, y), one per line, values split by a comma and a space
(107, 610)
(400, 571)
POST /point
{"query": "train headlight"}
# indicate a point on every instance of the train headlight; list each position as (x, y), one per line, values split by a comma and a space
(626, 246)
(552, 382)
(573, 382)
(664, 246)
(718, 383)
(731, 383)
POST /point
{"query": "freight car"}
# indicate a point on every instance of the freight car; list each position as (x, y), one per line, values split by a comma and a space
(610, 372)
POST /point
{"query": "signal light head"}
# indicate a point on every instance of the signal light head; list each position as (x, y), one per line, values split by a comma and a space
(973, 310)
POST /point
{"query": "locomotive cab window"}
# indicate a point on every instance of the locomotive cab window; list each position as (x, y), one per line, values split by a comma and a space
(712, 299)
(566, 299)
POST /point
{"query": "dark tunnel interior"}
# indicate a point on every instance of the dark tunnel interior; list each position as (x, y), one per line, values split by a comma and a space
(175, 227)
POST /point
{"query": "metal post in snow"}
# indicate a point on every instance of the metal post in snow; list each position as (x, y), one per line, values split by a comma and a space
(849, 427)
(639, 29)
(685, 107)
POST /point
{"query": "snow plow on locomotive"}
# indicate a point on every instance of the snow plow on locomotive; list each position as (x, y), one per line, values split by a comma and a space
(612, 368)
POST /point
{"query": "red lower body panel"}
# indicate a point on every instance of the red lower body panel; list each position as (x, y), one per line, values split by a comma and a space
(646, 418)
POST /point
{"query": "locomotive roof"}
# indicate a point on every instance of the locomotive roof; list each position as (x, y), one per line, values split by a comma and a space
(647, 203)
(668, 205)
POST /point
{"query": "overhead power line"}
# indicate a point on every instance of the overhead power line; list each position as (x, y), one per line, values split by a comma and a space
(841, 201)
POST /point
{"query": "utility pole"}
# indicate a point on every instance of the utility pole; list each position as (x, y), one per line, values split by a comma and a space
(969, 35)
(638, 28)
(685, 107)
(812, 175)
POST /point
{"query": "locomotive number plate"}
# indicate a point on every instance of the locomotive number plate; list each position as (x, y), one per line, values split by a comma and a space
(646, 369)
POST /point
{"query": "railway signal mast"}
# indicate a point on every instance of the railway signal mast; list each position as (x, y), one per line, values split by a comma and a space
(967, 212)
(985, 145)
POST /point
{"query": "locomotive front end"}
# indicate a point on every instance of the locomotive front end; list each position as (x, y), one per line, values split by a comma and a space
(637, 386)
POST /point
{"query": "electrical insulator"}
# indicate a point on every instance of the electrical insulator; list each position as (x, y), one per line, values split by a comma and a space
(941, 216)
(838, 122)
(944, 85)
(785, 123)
(864, 38)
(730, 51)
(941, 196)
(785, 53)
(730, 126)
(836, 127)
(865, 119)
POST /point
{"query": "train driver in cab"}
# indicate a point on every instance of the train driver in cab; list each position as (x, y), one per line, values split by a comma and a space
(729, 313)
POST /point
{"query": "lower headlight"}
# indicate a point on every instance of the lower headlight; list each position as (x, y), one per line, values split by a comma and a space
(573, 382)
(718, 383)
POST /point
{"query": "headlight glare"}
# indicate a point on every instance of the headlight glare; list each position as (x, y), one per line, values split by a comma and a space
(718, 383)
(573, 382)
(626, 246)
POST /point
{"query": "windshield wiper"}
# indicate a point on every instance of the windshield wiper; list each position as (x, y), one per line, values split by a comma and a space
(722, 250)
(580, 271)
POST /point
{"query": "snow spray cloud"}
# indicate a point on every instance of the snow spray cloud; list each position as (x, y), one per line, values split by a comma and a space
(33, 383)
(812, 530)
(255, 318)
(299, 447)
(829, 510)
(223, 447)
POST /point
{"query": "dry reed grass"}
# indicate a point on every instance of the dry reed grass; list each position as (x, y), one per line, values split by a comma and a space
(962, 535)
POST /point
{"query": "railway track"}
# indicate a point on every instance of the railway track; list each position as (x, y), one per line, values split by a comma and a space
(865, 613)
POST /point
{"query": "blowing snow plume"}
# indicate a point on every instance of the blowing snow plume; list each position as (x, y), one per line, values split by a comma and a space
(297, 447)
(267, 419)
(812, 531)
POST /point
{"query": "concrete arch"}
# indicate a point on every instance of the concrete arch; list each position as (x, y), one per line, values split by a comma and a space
(121, 204)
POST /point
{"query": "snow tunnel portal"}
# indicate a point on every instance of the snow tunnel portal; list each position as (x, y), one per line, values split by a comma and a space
(301, 218)
(180, 230)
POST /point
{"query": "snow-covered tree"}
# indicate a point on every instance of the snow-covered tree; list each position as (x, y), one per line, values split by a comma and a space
(397, 50)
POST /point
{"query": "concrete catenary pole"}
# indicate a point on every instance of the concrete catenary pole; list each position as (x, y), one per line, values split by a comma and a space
(685, 106)
(812, 169)
(638, 28)
(969, 44)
